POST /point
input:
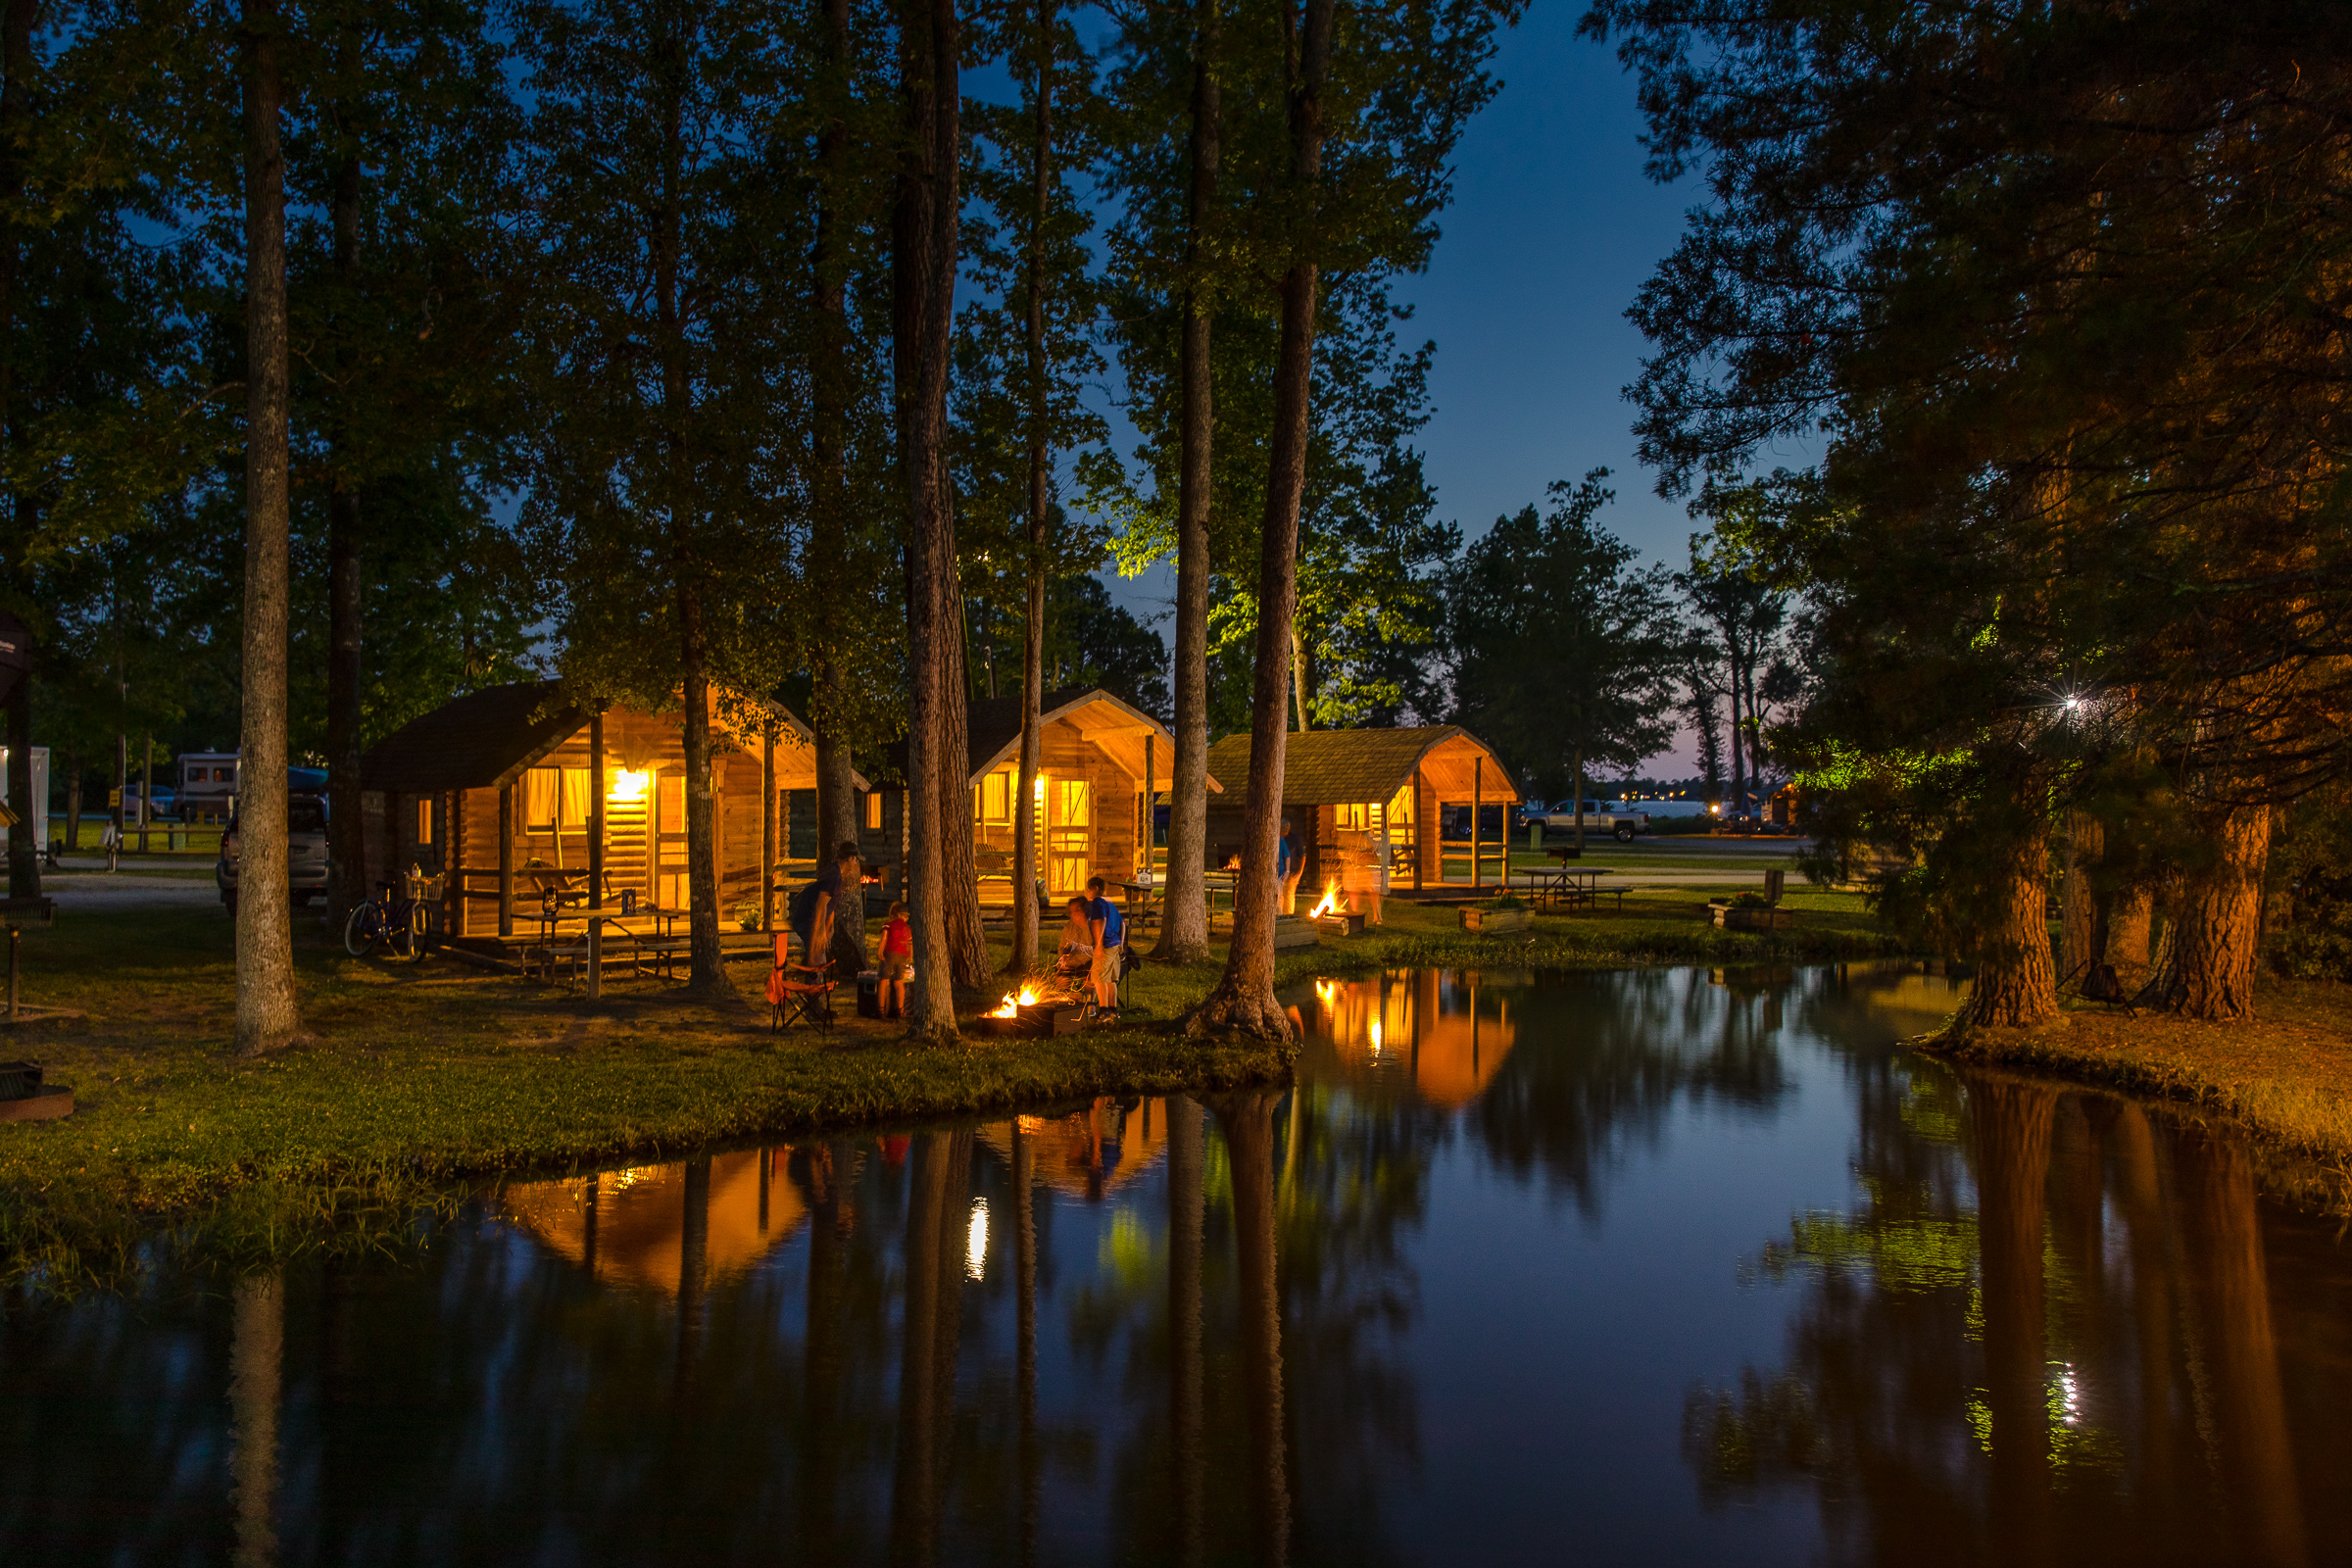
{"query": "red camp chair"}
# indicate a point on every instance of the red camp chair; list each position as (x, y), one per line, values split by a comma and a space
(796, 992)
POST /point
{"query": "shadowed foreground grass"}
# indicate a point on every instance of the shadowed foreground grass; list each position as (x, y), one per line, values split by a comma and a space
(414, 1079)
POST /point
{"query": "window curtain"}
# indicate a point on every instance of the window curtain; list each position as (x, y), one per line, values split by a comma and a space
(577, 800)
(539, 800)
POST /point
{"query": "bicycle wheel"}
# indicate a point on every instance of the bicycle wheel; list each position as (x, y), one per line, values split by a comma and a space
(421, 932)
(363, 930)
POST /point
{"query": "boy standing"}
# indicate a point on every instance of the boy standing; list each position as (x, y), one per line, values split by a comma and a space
(1109, 928)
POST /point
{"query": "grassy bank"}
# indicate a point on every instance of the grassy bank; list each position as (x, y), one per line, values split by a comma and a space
(2286, 1074)
(414, 1079)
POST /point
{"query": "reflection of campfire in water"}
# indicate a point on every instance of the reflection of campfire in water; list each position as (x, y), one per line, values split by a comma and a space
(1014, 1002)
(1431, 1025)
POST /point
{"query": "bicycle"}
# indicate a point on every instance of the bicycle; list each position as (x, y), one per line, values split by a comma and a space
(396, 919)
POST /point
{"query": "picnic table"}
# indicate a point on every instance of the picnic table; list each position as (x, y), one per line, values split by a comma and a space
(1568, 887)
(1142, 903)
(650, 931)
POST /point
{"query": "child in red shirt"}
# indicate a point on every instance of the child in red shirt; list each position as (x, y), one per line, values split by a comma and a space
(897, 961)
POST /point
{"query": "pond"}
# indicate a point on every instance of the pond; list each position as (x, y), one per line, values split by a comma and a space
(1656, 1267)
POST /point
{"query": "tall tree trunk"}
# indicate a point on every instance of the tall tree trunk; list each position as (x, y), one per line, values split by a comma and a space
(1244, 998)
(17, 20)
(1024, 955)
(74, 800)
(823, 560)
(923, 304)
(346, 831)
(1184, 905)
(2211, 952)
(1731, 669)
(2129, 916)
(2085, 843)
(266, 1009)
(959, 867)
(2015, 984)
(705, 971)
(1299, 691)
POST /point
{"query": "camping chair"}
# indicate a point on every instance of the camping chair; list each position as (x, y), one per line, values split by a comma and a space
(796, 992)
(2100, 985)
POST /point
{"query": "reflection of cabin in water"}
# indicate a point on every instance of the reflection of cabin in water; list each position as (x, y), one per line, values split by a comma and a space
(501, 789)
(1420, 791)
(631, 1227)
(1092, 1152)
(1098, 756)
(1428, 1027)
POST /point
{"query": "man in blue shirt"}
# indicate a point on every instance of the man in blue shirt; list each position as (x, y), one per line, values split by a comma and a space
(1289, 864)
(1108, 927)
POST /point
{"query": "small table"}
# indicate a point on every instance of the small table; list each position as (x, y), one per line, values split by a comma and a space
(1142, 899)
(1568, 886)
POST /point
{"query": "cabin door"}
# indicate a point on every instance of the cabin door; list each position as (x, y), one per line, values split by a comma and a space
(669, 840)
(1069, 835)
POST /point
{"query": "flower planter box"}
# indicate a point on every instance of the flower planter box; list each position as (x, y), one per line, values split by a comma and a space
(1494, 923)
(1732, 917)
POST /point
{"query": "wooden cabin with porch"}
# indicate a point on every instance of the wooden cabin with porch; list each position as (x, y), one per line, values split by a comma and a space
(1100, 758)
(1435, 800)
(512, 792)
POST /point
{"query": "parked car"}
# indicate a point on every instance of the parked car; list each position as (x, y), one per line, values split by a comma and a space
(1620, 825)
(305, 852)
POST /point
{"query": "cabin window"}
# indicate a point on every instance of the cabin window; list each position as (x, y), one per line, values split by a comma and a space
(425, 821)
(996, 798)
(671, 810)
(1351, 818)
(577, 799)
(1069, 802)
(873, 811)
(1401, 809)
(539, 800)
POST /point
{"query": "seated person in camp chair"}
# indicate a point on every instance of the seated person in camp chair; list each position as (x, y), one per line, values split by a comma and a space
(1074, 958)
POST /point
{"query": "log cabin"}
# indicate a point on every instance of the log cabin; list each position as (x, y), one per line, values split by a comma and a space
(1099, 759)
(509, 790)
(1415, 792)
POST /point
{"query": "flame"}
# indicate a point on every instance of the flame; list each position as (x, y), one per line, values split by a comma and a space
(1014, 1002)
(1331, 901)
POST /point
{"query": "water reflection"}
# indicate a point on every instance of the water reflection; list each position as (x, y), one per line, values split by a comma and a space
(1658, 1267)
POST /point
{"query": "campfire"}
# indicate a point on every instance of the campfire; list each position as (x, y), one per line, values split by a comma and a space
(1014, 1002)
(1331, 912)
(1025, 1013)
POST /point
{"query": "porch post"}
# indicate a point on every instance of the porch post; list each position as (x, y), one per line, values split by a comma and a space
(454, 890)
(596, 809)
(1148, 819)
(505, 860)
(1420, 827)
(1477, 790)
(767, 832)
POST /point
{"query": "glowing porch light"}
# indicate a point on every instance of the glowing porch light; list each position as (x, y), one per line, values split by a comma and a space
(975, 1246)
(628, 784)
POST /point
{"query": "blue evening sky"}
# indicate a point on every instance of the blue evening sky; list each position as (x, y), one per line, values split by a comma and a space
(1552, 229)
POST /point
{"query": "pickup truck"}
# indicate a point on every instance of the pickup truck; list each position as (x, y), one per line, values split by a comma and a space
(305, 853)
(1599, 823)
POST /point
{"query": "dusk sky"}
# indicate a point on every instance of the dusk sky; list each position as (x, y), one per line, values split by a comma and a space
(1552, 229)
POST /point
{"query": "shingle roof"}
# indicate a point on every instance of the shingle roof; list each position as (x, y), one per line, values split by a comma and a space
(993, 732)
(472, 742)
(1344, 766)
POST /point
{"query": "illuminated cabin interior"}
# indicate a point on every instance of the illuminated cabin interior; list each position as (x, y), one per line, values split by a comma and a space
(1092, 1152)
(1429, 1029)
(1099, 759)
(1418, 792)
(629, 1227)
(500, 787)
